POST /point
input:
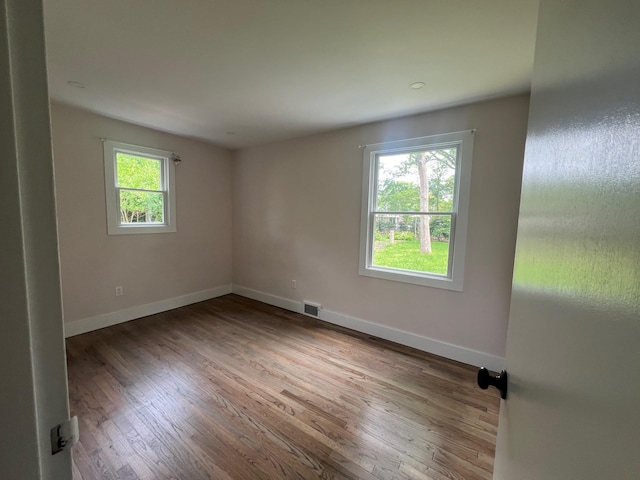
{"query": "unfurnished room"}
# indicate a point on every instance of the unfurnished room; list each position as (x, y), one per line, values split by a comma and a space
(332, 239)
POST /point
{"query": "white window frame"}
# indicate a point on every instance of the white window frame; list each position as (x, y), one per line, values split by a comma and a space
(459, 219)
(114, 225)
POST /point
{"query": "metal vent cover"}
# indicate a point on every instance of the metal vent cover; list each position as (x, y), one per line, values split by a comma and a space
(312, 309)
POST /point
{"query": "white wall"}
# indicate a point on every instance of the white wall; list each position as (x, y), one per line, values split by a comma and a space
(150, 267)
(574, 332)
(297, 216)
(33, 395)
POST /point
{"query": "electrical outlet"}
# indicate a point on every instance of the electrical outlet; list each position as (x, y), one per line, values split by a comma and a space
(119, 291)
(293, 284)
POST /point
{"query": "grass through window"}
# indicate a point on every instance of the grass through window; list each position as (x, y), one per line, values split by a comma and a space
(405, 254)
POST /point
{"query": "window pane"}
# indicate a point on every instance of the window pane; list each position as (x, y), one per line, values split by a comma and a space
(412, 242)
(141, 207)
(421, 181)
(138, 172)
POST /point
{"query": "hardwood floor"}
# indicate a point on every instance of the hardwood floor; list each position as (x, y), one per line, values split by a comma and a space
(235, 389)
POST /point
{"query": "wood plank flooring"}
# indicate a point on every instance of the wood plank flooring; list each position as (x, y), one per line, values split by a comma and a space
(231, 388)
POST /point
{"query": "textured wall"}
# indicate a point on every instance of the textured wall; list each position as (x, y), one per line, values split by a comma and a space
(574, 330)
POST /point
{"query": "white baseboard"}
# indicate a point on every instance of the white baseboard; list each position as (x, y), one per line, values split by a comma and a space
(419, 342)
(274, 300)
(101, 321)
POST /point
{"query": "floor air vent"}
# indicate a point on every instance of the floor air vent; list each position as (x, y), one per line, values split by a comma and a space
(312, 309)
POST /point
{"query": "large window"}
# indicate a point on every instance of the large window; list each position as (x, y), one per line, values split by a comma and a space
(414, 210)
(140, 189)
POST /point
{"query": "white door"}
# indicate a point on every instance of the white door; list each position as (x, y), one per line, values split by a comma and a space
(573, 354)
(33, 388)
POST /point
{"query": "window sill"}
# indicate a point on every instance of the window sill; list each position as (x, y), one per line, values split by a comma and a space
(137, 229)
(416, 278)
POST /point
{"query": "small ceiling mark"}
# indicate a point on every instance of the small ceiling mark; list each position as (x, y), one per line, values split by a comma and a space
(75, 83)
(416, 85)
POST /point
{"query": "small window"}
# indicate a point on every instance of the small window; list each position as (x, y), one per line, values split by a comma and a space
(414, 210)
(140, 189)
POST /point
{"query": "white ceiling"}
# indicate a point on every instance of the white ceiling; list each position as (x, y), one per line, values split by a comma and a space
(273, 69)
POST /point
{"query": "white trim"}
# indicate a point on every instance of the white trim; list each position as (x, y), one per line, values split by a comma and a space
(274, 300)
(454, 281)
(114, 227)
(108, 319)
(418, 140)
(419, 342)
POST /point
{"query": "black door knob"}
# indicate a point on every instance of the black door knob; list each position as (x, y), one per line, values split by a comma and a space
(499, 381)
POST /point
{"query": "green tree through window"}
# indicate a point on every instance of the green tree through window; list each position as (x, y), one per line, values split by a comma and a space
(140, 188)
(415, 209)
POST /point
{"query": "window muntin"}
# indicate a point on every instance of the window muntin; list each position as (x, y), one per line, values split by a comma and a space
(140, 189)
(415, 203)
